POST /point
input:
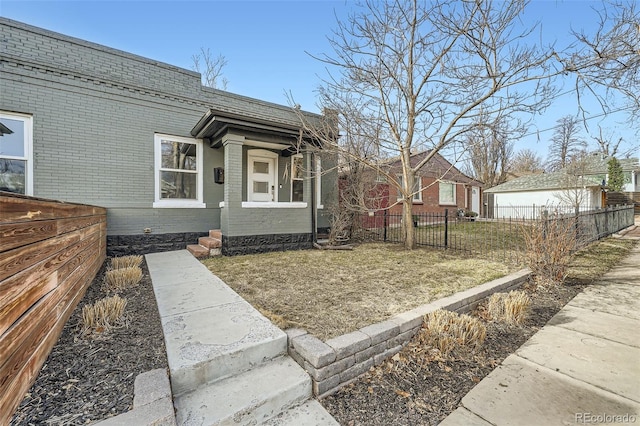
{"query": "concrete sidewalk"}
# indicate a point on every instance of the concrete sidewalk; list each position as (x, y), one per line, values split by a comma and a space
(582, 367)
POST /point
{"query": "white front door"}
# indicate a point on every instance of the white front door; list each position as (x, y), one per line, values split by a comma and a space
(475, 199)
(262, 178)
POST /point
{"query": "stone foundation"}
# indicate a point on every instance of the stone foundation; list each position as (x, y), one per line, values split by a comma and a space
(124, 245)
(249, 244)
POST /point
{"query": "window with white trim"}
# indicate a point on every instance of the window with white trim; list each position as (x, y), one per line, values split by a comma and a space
(16, 147)
(447, 193)
(319, 183)
(297, 178)
(417, 188)
(178, 172)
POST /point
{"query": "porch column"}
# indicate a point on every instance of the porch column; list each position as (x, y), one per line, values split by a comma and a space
(232, 179)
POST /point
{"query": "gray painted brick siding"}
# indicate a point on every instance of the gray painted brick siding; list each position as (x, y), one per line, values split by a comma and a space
(95, 111)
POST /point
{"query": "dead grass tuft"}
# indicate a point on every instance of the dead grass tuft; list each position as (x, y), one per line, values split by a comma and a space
(549, 246)
(445, 330)
(512, 307)
(103, 315)
(117, 280)
(126, 262)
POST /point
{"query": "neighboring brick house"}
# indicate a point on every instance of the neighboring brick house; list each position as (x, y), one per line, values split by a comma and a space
(168, 158)
(439, 186)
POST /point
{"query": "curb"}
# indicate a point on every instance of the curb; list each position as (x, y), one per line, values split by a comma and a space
(340, 360)
(152, 402)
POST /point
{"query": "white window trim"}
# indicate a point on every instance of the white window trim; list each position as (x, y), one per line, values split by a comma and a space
(262, 153)
(440, 202)
(319, 204)
(268, 205)
(417, 180)
(28, 147)
(178, 203)
(273, 205)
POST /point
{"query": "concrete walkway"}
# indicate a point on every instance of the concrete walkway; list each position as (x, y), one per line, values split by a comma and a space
(583, 367)
(228, 363)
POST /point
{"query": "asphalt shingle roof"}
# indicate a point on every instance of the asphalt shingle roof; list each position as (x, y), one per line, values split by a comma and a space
(594, 165)
(544, 181)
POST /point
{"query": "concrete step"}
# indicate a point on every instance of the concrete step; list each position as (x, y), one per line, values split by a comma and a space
(311, 413)
(216, 233)
(210, 242)
(210, 332)
(250, 398)
(198, 251)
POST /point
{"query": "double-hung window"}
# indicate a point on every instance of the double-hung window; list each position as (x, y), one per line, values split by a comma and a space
(178, 172)
(297, 178)
(16, 147)
(447, 193)
(417, 188)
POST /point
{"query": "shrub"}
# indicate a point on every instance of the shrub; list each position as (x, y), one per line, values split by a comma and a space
(103, 315)
(120, 279)
(126, 262)
(512, 307)
(445, 330)
(549, 245)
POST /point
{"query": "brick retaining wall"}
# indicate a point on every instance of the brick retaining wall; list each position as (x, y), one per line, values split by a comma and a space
(339, 360)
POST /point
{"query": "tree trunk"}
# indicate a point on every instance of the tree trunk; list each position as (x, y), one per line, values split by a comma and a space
(407, 224)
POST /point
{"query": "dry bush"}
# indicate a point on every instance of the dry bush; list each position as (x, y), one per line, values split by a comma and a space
(445, 330)
(120, 279)
(512, 307)
(549, 245)
(103, 315)
(126, 262)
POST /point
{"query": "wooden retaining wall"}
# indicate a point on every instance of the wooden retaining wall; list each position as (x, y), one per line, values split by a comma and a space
(49, 253)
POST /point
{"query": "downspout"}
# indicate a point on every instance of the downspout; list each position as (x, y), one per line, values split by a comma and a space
(314, 210)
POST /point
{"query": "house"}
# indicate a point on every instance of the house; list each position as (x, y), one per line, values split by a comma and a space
(439, 186)
(168, 158)
(516, 197)
(582, 186)
(597, 166)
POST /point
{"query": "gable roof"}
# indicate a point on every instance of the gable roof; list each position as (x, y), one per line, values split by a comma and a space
(545, 181)
(599, 164)
(437, 167)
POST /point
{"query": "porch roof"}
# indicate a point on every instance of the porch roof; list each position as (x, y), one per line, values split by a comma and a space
(214, 123)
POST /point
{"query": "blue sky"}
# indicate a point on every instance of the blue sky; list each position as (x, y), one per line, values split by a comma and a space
(264, 42)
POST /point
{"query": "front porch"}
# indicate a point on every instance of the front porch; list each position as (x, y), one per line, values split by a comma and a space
(271, 184)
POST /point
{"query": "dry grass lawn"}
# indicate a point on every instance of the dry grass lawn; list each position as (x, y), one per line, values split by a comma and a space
(329, 293)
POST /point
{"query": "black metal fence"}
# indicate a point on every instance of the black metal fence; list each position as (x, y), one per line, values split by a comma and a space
(501, 238)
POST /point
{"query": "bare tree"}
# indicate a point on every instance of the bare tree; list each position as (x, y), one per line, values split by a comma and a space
(526, 160)
(210, 68)
(491, 150)
(606, 143)
(418, 75)
(566, 143)
(606, 63)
